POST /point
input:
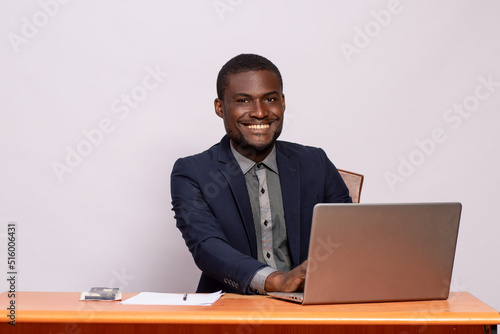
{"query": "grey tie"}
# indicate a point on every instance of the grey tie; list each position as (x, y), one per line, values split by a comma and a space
(265, 217)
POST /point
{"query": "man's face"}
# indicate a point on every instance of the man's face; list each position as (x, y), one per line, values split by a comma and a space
(252, 109)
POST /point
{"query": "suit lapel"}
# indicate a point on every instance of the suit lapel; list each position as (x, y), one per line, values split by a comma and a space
(290, 190)
(231, 171)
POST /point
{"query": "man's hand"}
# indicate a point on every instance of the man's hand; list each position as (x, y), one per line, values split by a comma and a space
(287, 282)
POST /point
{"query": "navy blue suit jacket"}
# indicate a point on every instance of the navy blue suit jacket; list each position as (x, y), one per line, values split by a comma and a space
(213, 212)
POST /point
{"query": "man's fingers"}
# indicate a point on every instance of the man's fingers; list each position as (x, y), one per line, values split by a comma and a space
(287, 282)
(294, 279)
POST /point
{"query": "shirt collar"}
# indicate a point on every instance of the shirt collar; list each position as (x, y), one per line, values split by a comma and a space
(247, 164)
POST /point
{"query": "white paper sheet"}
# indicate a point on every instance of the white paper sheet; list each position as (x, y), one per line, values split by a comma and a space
(155, 298)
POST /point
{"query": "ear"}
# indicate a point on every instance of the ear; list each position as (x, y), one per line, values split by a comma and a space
(283, 101)
(219, 106)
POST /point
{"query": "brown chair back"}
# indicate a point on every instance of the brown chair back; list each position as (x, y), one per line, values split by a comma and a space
(354, 182)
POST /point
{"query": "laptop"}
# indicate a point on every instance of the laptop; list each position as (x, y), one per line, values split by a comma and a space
(362, 253)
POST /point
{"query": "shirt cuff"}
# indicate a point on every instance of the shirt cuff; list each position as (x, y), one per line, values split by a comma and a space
(258, 282)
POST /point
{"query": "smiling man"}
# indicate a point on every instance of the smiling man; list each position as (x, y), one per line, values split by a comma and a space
(252, 106)
(244, 206)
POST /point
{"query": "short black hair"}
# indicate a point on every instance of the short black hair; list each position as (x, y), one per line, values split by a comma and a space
(245, 62)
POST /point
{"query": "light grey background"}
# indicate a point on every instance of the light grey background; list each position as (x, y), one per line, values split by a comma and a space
(377, 84)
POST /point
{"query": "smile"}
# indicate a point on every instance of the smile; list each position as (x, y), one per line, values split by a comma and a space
(258, 126)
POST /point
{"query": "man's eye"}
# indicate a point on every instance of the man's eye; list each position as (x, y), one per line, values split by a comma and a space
(243, 100)
(271, 99)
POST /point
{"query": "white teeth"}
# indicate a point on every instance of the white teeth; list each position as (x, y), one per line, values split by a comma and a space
(259, 126)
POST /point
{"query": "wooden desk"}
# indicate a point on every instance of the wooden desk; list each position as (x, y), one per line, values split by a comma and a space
(61, 312)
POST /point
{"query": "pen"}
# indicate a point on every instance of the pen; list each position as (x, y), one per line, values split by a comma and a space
(185, 297)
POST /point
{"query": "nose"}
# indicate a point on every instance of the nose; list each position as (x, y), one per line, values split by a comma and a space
(258, 110)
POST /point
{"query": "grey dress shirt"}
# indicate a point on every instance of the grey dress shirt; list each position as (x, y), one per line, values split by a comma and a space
(280, 250)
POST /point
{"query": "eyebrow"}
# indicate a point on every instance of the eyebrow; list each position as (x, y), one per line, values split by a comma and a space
(271, 93)
(241, 95)
(248, 95)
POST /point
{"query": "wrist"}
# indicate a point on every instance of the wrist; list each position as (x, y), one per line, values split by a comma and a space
(257, 284)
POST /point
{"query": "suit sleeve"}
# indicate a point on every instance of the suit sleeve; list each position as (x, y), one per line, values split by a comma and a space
(203, 233)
